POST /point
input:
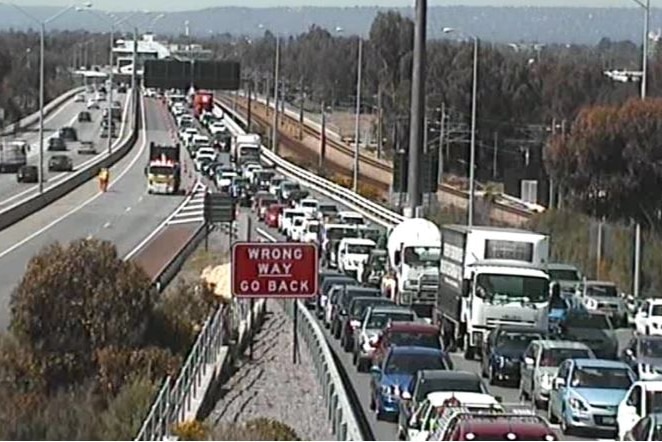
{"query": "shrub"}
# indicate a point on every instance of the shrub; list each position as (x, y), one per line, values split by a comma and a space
(126, 412)
(256, 429)
(76, 299)
(191, 430)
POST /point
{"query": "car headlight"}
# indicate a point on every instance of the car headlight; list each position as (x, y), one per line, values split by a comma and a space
(577, 404)
(355, 323)
(591, 304)
(386, 389)
(501, 361)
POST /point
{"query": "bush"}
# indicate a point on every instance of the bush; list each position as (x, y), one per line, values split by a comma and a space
(74, 300)
(256, 429)
(191, 430)
(126, 412)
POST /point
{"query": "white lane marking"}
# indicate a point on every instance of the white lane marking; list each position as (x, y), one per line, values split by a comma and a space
(128, 209)
(35, 234)
(61, 176)
(141, 198)
(197, 219)
(266, 235)
(105, 226)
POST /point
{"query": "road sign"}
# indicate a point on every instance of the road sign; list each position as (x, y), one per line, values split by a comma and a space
(274, 270)
(203, 74)
(218, 208)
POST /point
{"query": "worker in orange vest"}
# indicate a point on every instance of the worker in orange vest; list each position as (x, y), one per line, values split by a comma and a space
(104, 178)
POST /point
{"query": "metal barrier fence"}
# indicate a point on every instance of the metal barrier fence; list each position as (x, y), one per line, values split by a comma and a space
(175, 399)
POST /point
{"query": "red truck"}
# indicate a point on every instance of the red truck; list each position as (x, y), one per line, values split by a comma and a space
(203, 101)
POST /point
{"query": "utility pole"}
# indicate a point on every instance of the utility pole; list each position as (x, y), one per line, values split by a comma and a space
(417, 108)
(380, 123)
(249, 110)
(357, 123)
(301, 98)
(442, 137)
(274, 131)
(495, 155)
(320, 164)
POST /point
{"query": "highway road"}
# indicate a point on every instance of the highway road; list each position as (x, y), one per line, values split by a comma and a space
(67, 115)
(124, 215)
(360, 382)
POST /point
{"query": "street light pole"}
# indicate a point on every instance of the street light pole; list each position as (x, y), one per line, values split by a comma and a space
(274, 129)
(42, 37)
(357, 127)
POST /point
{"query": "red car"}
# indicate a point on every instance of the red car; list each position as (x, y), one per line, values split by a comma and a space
(273, 213)
(498, 427)
(406, 333)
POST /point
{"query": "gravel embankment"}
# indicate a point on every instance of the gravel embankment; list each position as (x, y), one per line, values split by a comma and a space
(271, 386)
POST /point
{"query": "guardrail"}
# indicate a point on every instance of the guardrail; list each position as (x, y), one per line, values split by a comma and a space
(48, 108)
(32, 204)
(374, 211)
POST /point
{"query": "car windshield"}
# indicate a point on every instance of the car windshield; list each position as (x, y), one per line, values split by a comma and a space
(359, 306)
(352, 220)
(359, 249)
(460, 385)
(328, 209)
(650, 348)
(331, 282)
(429, 340)
(596, 322)
(379, 320)
(503, 289)
(290, 186)
(426, 256)
(516, 341)
(309, 204)
(161, 170)
(404, 363)
(564, 275)
(602, 291)
(553, 357)
(656, 310)
(601, 377)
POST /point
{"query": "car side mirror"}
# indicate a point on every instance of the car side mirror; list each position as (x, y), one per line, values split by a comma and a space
(559, 383)
(499, 399)
(375, 371)
(528, 361)
(405, 396)
(629, 353)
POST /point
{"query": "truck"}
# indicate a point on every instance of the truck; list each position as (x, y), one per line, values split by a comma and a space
(163, 169)
(414, 249)
(490, 277)
(246, 148)
(202, 101)
(13, 155)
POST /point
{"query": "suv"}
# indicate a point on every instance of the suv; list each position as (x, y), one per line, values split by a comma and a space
(68, 133)
(27, 174)
(372, 271)
(357, 308)
(56, 144)
(406, 333)
(84, 117)
(60, 163)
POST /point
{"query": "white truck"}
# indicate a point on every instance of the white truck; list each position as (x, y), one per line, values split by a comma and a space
(13, 155)
(414, 249)
(246, 148)
(490, 277)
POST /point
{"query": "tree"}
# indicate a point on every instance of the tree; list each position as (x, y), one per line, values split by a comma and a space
(75, 300)
(611, 163)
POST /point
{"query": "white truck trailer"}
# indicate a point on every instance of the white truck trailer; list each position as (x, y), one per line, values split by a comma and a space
(490, 276)
(246, 148)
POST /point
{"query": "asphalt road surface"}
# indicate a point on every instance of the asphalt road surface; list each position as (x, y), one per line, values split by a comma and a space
(384, 430)
(124, 215)
(67, 115)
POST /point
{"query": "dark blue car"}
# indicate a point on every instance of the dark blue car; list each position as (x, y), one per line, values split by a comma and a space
(396, 372)
(503, 350)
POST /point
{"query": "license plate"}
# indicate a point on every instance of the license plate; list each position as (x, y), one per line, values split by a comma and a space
(608, 420)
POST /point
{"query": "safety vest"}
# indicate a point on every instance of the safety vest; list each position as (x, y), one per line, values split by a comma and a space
(103, 174)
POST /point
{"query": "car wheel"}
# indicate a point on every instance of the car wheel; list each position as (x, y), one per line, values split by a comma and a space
(565, 428)
(348, 346)
(550, 414)
(490, 376)
(522, 394)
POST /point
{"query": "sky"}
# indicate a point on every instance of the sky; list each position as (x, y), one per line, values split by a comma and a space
(178, 5)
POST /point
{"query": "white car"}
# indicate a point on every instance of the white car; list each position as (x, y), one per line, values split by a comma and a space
(225, 178)
(295, 232)
(328, 306)
(206, 152)
(92, 104)
(184, 119)
(287, 218)
(348, 217)
(217, 127)
(309, 205)
(199, 139)
(637, 403)
(186, 134)
(80, 98)
(602, 297)
(648, 319)
(100, 96)
(250, 170)
(351, 252)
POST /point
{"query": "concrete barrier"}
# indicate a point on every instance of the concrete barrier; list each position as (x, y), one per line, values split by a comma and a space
(32, 204)
(48, 108)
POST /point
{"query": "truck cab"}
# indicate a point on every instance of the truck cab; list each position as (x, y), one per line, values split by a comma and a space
(163, 170)
(352, 252)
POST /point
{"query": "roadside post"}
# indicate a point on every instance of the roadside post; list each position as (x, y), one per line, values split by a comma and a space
(218, 208)
(276, 271)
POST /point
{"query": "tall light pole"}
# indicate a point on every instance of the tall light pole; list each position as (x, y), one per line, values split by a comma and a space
(42, 36)
(472, 148)
(274, 129)
(357, 124)
(644, 83)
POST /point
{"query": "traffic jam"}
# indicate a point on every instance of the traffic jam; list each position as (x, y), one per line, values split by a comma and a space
(402, 301)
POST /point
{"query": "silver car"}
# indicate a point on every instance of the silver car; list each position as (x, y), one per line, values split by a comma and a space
(602, 297)
(540, 363)
(374, 321)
